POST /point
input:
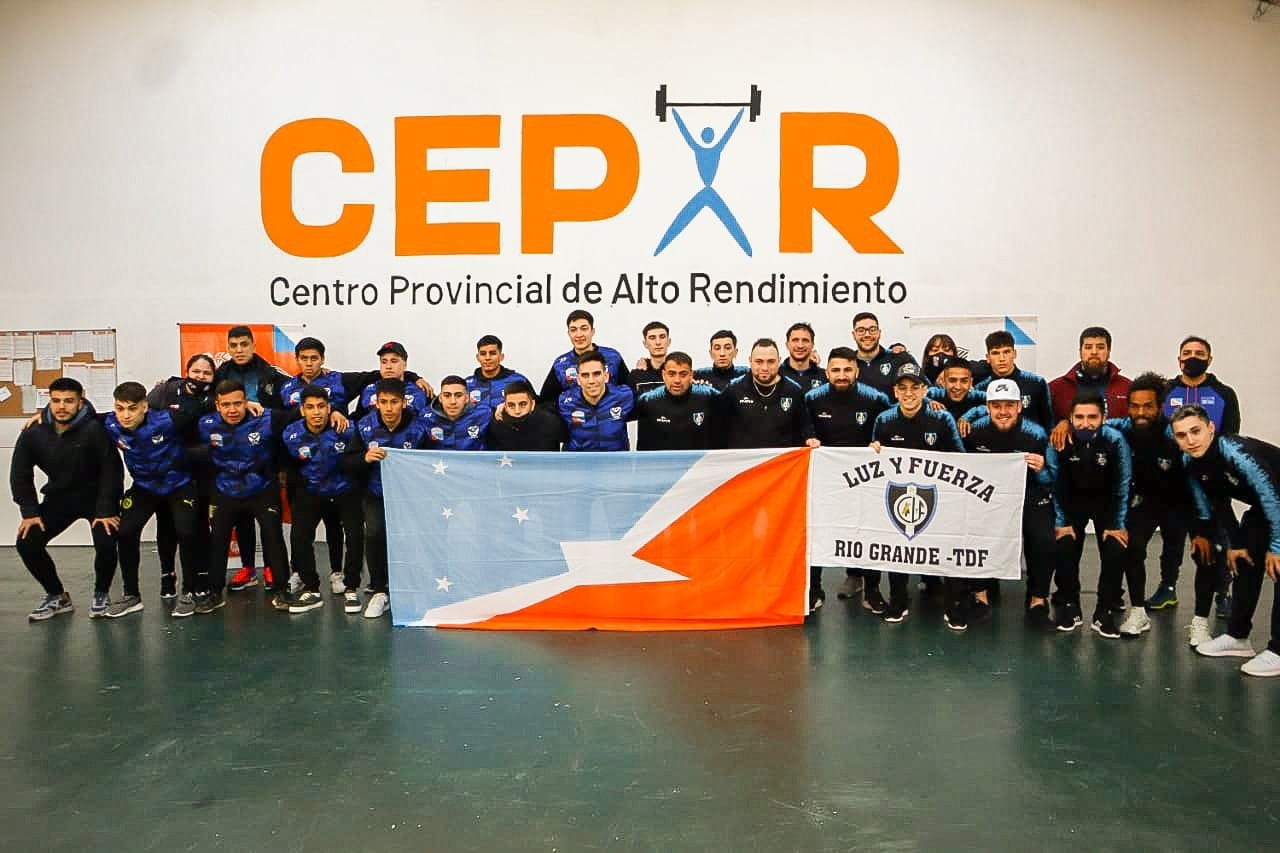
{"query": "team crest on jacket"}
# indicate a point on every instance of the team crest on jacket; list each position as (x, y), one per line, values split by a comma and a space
(339, 446)
(215, 439)
(786, 404)
(911, 506)
(1165, 464)
(931, 438)
(1026, 401)
(615, 412)
(1102, 459)
(437, 434)
(255, 438)
(158, 438)
(304, 452)
(408, 445)
(698, 418)
(884, 368)
(861, 418)
(476, 395)
(473, 431)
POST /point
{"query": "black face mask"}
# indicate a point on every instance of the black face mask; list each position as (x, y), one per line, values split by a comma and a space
(938, 359)
(198, 389)
(1195, 367)
(1083, 436)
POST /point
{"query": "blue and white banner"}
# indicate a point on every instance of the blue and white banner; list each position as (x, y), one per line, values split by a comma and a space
(950, 514)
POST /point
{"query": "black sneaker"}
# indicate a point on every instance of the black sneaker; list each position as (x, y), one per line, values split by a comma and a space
(1069, 617)
(306, 600)
(873, 602)
(896, 613)
(1104, 625)
(282, 601)
(207, 602)
(954, 619)
(816, 597)
(1038, 618)
(979, 611)
(168, 586)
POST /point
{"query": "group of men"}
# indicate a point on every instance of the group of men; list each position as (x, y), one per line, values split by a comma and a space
(1126, 456)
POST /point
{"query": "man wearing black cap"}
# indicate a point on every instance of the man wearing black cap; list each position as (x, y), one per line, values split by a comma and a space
(393, 363)
(911, 425)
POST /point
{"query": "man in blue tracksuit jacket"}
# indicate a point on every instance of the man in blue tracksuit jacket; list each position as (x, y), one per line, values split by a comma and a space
(323, 489)
(453, 421)
(1222, 469)
(595, 411)
(152, 441)
(1094, 473)
(563, 375)
(391, 425)
(244, 449)
(489, 381)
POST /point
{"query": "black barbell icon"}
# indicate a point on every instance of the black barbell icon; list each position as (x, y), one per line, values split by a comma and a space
(661, 104)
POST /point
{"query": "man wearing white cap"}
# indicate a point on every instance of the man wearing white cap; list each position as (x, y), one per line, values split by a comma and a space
(1005, 430)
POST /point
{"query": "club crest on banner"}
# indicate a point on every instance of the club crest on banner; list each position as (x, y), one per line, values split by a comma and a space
(911, 506)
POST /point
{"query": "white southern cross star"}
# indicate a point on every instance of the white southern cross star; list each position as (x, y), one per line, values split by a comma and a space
(521, 515)
(447, 512)
(443, 583)
(438, 467)
(505, 461)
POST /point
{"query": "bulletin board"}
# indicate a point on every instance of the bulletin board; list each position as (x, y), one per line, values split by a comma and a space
(31, 359)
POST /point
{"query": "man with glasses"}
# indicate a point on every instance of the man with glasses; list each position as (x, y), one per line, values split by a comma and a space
(876, 365)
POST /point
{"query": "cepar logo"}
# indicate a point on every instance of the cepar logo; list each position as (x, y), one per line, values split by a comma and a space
(543, 205)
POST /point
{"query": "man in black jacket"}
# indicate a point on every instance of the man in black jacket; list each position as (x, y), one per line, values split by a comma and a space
(262, 380)
(522, 424)
(85, 479)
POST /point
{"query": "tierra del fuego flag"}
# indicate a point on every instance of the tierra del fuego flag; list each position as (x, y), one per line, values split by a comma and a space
(616, 541)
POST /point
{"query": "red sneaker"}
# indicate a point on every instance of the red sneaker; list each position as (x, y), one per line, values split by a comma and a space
(268, 580)
(244, 579)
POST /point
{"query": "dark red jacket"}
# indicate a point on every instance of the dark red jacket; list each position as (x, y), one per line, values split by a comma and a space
(1063, 390)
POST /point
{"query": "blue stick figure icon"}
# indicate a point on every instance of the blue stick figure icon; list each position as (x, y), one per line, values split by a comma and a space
(707, 156)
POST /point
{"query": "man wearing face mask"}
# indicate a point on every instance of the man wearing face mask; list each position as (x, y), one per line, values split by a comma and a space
(1094, 473)
(1093, 375)
(1158, 497)
(524, 425)
(1195, 385)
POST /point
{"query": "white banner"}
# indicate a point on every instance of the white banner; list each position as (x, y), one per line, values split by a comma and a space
(952, 514)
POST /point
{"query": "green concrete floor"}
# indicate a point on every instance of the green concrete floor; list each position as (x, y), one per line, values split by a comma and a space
(253, 730)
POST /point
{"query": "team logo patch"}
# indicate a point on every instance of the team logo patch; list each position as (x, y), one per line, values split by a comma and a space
(615, 412)
(158, 438)
(1102, 459)
(473, 431)
(304, 452)
(437, 433)
(570, 375)
(1026, 401)
(1175, 401)
(255, 438)
(884, 369)
(339, 446)
(126, 503)
(786, 404)
(1165, 464)
(215, 439)
(911, 506)
(476, 395)
(931, 438)
(698, 418)
(408, 445)
(578, 416)
(295, 397)
(861, 418)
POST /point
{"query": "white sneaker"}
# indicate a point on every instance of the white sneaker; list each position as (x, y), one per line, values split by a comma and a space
(1198, 631)
(1265, 665)
(380, 603)
(1224, 646)
(336, 585)
(1136, 623)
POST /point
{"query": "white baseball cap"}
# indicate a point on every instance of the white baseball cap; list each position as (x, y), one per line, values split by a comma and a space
(1004, 389)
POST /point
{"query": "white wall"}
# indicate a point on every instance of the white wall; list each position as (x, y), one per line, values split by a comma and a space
(1088, 162)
